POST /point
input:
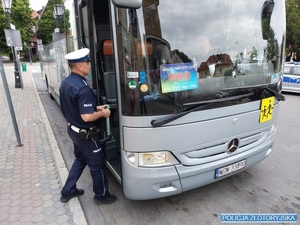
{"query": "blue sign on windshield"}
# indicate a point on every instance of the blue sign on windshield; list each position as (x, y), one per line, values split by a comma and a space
(178, 77)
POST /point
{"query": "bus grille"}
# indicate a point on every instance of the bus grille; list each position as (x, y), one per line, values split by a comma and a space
(218, 151)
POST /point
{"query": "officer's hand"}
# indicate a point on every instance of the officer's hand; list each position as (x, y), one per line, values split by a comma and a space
(105, 110)
(102, 107)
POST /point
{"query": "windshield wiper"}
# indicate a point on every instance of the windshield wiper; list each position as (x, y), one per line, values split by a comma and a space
(279, 96)
(163, 121)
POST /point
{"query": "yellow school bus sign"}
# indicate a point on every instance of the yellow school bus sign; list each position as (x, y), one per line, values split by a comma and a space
(266, 109)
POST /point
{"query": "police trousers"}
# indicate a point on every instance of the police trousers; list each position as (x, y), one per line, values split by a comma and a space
(87, 152)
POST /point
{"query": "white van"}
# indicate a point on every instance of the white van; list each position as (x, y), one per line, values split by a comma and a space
(291, 77)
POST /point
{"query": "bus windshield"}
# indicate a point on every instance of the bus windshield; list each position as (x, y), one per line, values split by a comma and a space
(171, 55)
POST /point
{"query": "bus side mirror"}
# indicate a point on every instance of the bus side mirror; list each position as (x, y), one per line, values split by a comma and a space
(132, 4)
(266, 14)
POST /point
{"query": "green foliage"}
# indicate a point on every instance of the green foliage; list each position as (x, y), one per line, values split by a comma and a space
(21, 18)
(293, 27)
(47, 25)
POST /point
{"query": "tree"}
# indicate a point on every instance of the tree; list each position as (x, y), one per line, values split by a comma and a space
(21, 18)
(46, 24)
(182, 56)
(293, 27)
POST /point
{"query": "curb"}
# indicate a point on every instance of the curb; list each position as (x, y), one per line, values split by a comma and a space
(74, 204)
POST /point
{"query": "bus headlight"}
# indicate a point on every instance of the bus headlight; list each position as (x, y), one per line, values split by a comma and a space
(152, 159)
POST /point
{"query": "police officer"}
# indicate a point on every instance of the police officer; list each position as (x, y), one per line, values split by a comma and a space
(79, 106)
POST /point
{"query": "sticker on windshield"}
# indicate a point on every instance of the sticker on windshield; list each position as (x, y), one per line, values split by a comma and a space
(142, 77)
(132, 84)
(178, 77)
(132, 74)
(266, 109)
(144, 88)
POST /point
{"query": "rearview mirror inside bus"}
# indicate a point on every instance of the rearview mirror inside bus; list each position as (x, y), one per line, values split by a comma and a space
(133, 4)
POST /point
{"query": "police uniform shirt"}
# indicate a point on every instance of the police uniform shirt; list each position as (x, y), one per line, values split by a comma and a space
(76, 98)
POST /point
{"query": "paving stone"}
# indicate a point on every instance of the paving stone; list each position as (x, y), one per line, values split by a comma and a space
(3, 209)
(37, 203)
(13, 217)
(48, 203)
(15, 196)
(15, 202)
(47, 197)
(6, 190)
(60, 211)
(58, 205)
(38, 210)
(25, 218)
(45, 191)
(55, 186)
(30, 182)
(26, 191)
(26, 210)
(14, 209)
(38, 218)
(50, 219)
(62, 219)
(25, 203)
(49, 210)
(4, 218)
(16, 190)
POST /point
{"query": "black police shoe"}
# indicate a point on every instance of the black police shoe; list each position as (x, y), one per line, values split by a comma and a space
(66, 198)
(108, 199)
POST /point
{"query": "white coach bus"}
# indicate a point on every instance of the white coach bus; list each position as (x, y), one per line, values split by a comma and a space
(194, 86)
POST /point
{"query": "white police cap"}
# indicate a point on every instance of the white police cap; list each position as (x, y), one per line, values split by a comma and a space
(80, 55)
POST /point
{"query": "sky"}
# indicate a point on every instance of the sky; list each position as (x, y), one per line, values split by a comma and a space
(225, 26)
(37, 4)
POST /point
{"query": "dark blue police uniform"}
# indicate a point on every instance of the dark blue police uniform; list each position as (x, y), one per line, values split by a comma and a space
(76, 98)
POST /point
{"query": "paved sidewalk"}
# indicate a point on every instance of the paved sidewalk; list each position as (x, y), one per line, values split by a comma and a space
(31, 176)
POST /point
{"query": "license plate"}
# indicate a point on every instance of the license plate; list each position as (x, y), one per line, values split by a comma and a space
(230, 168)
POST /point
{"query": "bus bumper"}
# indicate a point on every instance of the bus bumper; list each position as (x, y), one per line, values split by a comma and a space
(152, 183)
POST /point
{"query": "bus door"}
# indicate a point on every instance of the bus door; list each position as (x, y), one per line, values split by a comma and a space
(96, 34)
